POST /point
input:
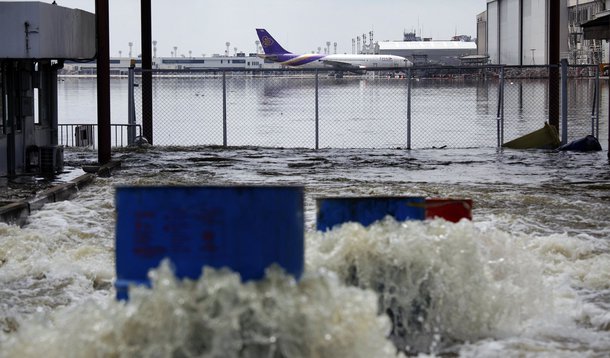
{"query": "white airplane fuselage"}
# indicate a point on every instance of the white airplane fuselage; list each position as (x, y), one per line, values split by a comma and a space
(276, 53)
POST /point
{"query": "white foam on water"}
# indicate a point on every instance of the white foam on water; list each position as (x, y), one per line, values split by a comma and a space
(217, 316)
(445, 284)
(63, 255)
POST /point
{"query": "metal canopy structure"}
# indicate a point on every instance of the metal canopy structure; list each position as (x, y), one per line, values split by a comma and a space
(599, 29)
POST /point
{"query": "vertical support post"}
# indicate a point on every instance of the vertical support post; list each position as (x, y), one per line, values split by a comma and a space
(317, 112)
(147, 105)
(500, 112)
(564, 101)
(554, 36)
(52, 100)
(596, 104)
(502, 109)
(131, 108)
(224, 108)
(11, 90)
(103, 80)
(409, 108)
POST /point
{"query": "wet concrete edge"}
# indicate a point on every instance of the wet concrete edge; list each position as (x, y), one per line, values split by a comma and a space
(16, 213)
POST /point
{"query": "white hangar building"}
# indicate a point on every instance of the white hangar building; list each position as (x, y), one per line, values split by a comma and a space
(438, 52)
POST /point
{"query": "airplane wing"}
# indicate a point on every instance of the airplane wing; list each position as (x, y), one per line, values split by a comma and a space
(342, 65)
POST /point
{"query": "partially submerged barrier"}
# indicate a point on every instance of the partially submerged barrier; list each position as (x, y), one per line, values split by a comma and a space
(452, 210)
(17, 212)
(244, 228)
(366, 210)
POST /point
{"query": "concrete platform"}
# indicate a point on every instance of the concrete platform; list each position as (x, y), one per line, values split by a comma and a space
(16, 212)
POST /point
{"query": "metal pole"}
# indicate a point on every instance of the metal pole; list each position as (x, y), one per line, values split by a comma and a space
(224, 108)
(564, 101)
(502, 109)
(409, 108)
(595, 109)
(147, 105)
(103, 80)
(500, 112)
(317, 112)
(131, 111)
(554, 36)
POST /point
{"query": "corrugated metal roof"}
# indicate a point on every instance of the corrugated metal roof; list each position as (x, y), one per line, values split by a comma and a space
(427, 45)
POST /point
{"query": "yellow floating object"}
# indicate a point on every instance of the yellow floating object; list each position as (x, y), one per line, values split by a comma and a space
(546, 137)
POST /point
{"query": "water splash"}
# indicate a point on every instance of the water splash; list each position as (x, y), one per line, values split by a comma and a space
(440, 283)
(218, 316)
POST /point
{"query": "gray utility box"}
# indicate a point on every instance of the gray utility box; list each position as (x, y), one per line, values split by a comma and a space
(35, 30)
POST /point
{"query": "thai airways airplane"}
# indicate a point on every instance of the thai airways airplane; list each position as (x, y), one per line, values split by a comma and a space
(353, 63)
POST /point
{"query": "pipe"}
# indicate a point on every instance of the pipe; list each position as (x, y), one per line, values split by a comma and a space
(103, 80)
(147, 107)
(554, 35)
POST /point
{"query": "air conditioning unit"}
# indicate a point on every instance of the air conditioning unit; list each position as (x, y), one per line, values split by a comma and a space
(51, 159)
(83, 136)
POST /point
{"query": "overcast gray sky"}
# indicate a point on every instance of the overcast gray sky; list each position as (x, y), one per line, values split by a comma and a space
(204, 27)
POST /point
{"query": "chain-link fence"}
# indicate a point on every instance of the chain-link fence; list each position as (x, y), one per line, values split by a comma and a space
(526, 100)
(415, 108)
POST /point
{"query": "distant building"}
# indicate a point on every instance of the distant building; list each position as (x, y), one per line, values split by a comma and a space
(515, 32)
(410, 36)
(120, 65)
(429, 52)
(463, 38)
(482, 33)
(583, 51)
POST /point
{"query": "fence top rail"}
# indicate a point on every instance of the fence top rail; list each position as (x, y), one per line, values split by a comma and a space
(95, 124)
(368, 69)
(348, 70)
(313, 70)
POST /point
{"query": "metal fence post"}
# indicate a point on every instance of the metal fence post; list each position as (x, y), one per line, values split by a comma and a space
(224, 108)
(409, 108)
(131, 107)
(317, 112)
(596, 106)
(500, 113)
(564, 101)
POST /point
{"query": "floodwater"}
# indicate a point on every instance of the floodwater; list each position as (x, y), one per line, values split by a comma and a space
(529, 276)
(274, 111)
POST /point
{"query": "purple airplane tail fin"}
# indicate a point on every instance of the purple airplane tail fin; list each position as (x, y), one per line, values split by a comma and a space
(270, 46)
